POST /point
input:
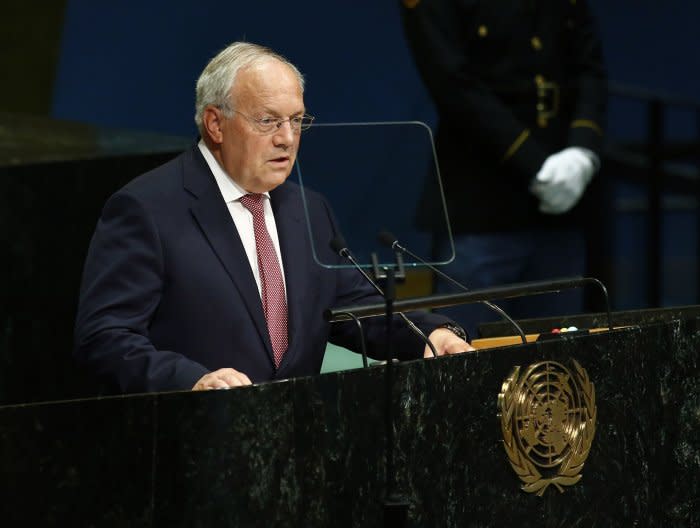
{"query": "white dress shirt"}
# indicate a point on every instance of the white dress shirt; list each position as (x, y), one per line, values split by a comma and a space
(232, 193)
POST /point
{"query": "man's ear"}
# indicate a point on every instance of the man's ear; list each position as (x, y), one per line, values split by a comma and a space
(212, 120)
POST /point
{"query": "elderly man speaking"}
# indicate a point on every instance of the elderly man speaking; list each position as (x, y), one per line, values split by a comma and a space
(200, 273)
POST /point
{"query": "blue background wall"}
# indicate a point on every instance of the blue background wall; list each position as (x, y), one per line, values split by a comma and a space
(133, 64)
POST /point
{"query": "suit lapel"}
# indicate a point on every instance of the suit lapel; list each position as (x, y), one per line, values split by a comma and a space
(211, 214)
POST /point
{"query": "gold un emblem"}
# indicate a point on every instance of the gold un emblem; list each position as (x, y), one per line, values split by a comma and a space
(548, 419)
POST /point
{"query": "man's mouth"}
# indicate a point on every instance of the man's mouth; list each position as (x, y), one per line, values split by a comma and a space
(279, 160)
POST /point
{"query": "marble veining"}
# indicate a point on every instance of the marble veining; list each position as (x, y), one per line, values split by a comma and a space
(311, 451)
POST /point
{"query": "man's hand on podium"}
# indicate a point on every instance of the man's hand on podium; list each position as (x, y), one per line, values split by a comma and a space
(225, 378)
(446, 343)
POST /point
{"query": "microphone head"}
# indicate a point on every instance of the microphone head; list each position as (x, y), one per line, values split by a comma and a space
(338, 244)
(387, 238)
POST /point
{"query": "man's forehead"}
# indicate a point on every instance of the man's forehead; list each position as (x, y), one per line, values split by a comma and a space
(267, 75)
(268, 85)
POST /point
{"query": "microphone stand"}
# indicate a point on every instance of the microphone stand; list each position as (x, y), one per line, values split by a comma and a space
(339, 246)
(395, 504)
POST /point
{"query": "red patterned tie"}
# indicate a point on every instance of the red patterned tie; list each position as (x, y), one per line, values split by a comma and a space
(273, 298)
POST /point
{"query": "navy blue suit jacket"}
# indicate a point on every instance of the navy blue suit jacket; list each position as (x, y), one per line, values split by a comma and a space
(168, 294)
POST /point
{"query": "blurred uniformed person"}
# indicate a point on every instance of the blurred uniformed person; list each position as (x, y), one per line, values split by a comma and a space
(520, 90)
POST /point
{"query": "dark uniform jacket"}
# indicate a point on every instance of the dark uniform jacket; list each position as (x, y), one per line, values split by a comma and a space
(513, 82)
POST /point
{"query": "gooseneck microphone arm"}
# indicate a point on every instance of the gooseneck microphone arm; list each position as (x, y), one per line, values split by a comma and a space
(361, 333)
(390, 240)
(340, 247)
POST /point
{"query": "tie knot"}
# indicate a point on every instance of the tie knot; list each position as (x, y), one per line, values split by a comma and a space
(253, 202)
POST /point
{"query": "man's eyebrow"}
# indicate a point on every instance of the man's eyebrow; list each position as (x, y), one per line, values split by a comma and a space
(270, 111)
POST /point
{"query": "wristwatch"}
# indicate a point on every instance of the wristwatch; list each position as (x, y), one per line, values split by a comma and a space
(456, 330)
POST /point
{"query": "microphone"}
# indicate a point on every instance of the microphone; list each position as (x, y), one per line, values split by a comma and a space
(339, 246)
(388, 239)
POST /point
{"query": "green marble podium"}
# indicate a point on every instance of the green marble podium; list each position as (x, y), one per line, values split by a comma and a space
(310, 451)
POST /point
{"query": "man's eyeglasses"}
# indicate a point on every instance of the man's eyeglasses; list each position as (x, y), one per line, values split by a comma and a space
(267, 125)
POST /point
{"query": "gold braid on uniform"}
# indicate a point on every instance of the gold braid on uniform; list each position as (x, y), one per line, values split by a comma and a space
(516, 144)
(587, 123)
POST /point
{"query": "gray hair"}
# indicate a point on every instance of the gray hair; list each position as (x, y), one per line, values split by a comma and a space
(218, 77)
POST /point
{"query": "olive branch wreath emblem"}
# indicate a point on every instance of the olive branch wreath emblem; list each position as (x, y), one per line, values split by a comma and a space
(547, 402)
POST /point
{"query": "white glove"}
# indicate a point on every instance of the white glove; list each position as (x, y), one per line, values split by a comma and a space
(563, 178)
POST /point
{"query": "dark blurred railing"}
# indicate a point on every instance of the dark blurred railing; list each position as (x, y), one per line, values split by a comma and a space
(660, 165)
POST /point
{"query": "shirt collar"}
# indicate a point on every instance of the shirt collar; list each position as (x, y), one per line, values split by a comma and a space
(230, 190)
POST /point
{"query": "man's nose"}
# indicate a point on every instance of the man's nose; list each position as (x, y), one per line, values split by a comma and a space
(284, 135)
